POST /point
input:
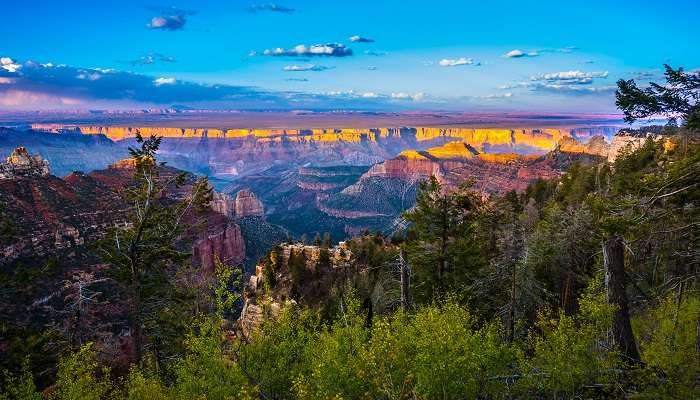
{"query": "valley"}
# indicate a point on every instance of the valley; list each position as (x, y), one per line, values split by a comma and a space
(341, 181)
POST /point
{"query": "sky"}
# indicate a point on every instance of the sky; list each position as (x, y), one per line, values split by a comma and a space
(379, 55)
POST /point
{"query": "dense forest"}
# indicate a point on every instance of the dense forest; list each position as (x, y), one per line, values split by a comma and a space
(585, 286)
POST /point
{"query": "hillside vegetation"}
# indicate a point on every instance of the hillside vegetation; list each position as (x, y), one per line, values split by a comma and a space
(585, 286)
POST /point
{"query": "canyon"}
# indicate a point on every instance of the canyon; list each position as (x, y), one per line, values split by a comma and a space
(60, 217)
(337, 180)
(228, 154)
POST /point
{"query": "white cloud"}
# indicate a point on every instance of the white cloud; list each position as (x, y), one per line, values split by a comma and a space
(558, 87)
(304, 68)
(519, 54)
(570, 77)
(499, 96)
(407, 96)
(453, 62)
(164, 81)
(328, 50)
(90, 76)
(9, 65)
(360, 39)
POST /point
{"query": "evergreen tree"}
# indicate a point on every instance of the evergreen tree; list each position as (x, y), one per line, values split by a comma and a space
(141, 253)
(441, 246)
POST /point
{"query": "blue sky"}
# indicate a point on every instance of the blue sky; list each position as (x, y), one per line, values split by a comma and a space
(410, 55)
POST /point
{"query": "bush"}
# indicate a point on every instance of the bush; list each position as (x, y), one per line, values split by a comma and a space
(81, 377)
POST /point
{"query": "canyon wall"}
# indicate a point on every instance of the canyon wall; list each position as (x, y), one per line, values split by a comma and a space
(225, 245)
(228, 154)
(542, 138)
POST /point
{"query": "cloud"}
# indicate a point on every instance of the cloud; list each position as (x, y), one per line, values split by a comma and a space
(171, 19)
(447, 62)
(375, 53)
(36, 86)
(9, 65)
(271, 8)
(33, 81)
(90, 76)
(571, 82)
(498, 96)
(517, 53)
(21, 98)
(164, 81)
(371, 68)
(323, 50)
(297, 79)
(647, 75)
(360, 39)
(168, 23)
(570, 77)
(305, 68)
(572, 89)
(407, 96)
(567, 49)
(520, 54)
(152, 59)
(393, 97)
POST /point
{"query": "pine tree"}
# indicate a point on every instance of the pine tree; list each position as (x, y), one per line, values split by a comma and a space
(141, 253)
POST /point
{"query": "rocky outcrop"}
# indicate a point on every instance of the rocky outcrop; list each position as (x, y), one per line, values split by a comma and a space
(49, 216)
(264, 299)
(226, 245)
(248, 205)
(21, 164)
(223, 204)
(625, 143)
(596, 146)
(65, 152)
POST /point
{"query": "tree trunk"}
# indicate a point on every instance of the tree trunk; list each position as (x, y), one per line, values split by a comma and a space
(136, 319)
(511, 309)
(405, 281)
(614, 264)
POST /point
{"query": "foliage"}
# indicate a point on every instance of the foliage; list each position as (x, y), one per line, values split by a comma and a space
(668, 340)
(680, 96)
(19, 387)
(442, 245)
(568, 352)
(205, 371)
(81, 377)
(141, 254)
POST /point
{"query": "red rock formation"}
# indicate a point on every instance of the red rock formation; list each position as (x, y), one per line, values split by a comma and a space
(247, 205)
(227, 245)
(223, 204)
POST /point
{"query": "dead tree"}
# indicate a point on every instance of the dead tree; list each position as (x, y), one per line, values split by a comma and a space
(405, 281)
